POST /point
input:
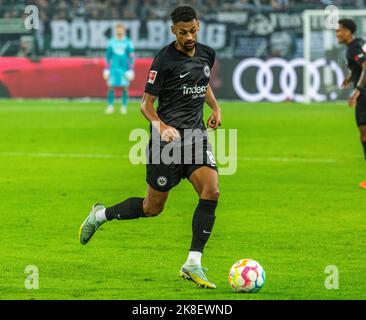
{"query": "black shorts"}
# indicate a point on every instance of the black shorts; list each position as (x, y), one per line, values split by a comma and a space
(165, 175)
(361, 110)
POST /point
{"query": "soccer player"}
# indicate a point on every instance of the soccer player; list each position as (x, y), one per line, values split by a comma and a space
(356, 60)
(179, 78)
(119, 70)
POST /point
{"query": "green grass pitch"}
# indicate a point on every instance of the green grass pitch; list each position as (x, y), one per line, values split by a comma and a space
(294, 205)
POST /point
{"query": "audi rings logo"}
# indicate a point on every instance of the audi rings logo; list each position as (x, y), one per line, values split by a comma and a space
(288, 79)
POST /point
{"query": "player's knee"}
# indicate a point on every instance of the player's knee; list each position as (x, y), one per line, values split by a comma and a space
(154, 210)
(210, 194)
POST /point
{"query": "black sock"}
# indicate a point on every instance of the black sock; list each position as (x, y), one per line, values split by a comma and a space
(131, 208)
(202, 223)
(364, 147)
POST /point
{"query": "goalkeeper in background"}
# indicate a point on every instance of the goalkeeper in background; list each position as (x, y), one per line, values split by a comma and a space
(119, 70)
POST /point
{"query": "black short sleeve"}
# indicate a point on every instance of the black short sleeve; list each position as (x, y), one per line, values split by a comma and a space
(357, 54)
(155, 78)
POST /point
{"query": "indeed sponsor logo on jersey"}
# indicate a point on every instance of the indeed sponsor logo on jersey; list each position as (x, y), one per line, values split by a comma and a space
(196, 91)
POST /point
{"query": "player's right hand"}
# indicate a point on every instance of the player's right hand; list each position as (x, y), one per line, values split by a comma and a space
(169, 134)
(346, 83)
(352, 101)
(214, 121)
(106, 74)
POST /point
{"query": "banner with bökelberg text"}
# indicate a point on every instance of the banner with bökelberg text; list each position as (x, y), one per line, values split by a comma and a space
(234, 35)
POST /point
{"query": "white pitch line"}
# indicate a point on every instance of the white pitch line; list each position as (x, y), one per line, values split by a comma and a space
(62, 155)
(57, 109)
(276, 159)
(116, 156)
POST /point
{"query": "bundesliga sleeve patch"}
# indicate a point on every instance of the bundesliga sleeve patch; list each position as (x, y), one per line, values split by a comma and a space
(152, 76)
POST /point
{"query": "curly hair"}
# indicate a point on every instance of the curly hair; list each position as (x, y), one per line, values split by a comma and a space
(348, 24)
(183, 14)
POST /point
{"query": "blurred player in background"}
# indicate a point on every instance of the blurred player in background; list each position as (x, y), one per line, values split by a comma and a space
(356, 62)
(119, 71)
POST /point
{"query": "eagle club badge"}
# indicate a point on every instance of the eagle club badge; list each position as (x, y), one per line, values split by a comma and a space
(206, 71)
(152, 76)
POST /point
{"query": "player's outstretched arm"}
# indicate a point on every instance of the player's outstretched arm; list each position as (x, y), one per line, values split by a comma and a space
(215, 119)
(147, 108)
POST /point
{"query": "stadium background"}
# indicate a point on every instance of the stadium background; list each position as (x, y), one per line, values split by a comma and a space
(237, 30)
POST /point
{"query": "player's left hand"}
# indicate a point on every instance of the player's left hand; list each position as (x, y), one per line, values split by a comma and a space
(214, 121)
(106, 74)
(346, 83)
(353, 98)
(130, 75)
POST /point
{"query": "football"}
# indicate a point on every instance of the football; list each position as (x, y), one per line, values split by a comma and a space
(247, 275)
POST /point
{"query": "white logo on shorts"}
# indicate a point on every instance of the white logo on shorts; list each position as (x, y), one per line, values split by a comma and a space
(211, 158)
(162, 181)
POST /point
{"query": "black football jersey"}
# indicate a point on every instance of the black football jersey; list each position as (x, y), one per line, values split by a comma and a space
(180, 82)
(355, 57)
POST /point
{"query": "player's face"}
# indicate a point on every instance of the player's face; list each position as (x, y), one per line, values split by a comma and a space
(186, 34)
(342, 34)
(120, 32)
